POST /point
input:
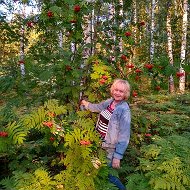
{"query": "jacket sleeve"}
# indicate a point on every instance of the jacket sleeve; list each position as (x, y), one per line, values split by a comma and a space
(124, 134)
(98, 107)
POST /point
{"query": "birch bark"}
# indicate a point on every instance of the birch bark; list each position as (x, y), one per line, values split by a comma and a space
(152, 30)
(170, 49)
(111, 13)
(121, 24)
(134, 20)
(183, 47)
(22, 67)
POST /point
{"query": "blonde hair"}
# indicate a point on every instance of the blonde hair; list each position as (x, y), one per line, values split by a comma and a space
(127, 87)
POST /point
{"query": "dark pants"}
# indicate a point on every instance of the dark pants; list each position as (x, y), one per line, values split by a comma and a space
(116, 181)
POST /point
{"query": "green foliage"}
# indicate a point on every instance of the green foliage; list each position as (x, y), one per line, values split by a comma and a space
(88, 158)
(38, 180)
(16, 133)
(165, 162)
(162, 162)
(61, 138)
(138, 181)
(36, 118)
(159, 114)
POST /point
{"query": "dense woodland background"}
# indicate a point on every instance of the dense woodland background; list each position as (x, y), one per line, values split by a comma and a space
(54, 53)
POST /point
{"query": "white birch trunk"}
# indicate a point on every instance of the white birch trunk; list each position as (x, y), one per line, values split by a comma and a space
(170, 49)
(88, 38)
(111, 13)
(135, 18)
(183, 47)
(152, 30)
(60, 37)
(73, 49)
(148, 11)
(121, 25)
(92, 32)
(22, 67)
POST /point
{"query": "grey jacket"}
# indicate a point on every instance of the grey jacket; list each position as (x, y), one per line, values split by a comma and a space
(118, 134)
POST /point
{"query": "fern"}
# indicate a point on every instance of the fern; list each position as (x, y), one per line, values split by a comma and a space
(35, 119)
(38, 180)
(16, 133)
(80, 172)
(138, 181)
(53, 106)
(166, 163)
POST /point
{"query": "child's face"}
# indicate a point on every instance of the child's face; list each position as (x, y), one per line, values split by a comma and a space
(119, 91)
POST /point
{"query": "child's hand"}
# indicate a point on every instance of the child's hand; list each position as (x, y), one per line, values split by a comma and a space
(84, 103)
(115, 163)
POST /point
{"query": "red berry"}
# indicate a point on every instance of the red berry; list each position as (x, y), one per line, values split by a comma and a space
(48, 124)
(76, 8)
(73, 21)
(127, 34)
(138, 71)
(130, 66)
(104, 77)
(3, 134)
(149, 66)
(102, 81)
(180, 74)
(158, 88)
(30, 24)
(137, 77)
(134, 93)
(52, 139)
(85, 142)
(68, 68)
(21, 62)
(142, 23)
(123, 57)
(50, 14)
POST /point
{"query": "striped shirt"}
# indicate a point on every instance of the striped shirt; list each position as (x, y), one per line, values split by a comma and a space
(103, 120)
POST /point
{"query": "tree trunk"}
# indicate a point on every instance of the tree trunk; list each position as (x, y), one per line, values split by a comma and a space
(60, 37)
(134, 20)
(170, 49)
(183, 48)
(111, 15)
(152, 30)
(88, 28)
(22, 67)
(121, 24)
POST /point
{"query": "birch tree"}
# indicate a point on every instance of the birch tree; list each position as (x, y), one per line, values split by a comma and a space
(22, 46)
(134, 20)
(152, 30)
(88, 30)
(183, 48)
(111, 15)
(21, 61)
(121, 24)
(169, 45)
